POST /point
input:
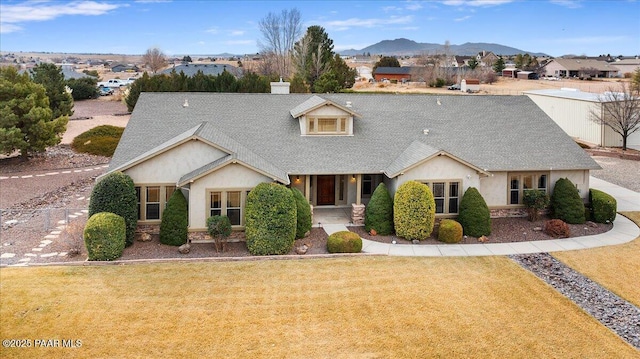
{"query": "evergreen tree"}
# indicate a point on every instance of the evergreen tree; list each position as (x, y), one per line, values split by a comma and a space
(499, 65)
(386, 61)
(26, 121)
(50, 76)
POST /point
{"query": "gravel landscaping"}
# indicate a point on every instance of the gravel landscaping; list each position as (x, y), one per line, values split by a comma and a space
(614, 312)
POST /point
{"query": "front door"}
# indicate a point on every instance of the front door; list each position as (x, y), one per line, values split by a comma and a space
(326, 190)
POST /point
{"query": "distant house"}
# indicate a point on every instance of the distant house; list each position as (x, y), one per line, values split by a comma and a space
(627, 66)
(580, 68)
(124, 68)
(70, 73)
(527, 75)
(510, 72)
(392, 73)
(486, 59)
(337, 148)
(571, 110)
(207, 69)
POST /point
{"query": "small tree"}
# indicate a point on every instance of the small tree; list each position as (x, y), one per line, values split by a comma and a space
(26, 121)
(414, 211)
(219, 228)
(379, 212)
(154, 59)
(620, 111)
(104, 236)
(535, 200)
(499, 65)
(303, 213)
(474, 214)
(50, 76)
(175, 220)
(116, 193)
(473, 63)
(566, 203)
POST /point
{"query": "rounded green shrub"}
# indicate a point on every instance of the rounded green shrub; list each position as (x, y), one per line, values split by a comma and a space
(474, 214)
(414, 211)
(303, 213)
(603, 206)
(174, 227)
(104, 236)
(566, 203)
(270, 219)
(116, 193)
(100, 141)
(344, 242)
(450, 231)
(379, 212)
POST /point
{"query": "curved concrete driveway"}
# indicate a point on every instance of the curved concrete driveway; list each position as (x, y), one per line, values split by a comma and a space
(623, 231)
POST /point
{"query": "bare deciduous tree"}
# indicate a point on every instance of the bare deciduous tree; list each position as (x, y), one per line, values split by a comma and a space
(619, 110)
(154, 59)
(280, 33)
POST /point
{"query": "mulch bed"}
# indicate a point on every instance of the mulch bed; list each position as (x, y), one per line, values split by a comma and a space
(503, 230)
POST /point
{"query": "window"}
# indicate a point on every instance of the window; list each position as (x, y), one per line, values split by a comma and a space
(152, 200)
(367, 185)
(446, 195)
(233, 207)
(518, 183)
(153, 203)
(326, 126)
(228, 203)
(216, 204)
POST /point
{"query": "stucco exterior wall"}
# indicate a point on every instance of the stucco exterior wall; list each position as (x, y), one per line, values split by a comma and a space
(438, 168)
(169, 166)
(233, 177)
(494, 189)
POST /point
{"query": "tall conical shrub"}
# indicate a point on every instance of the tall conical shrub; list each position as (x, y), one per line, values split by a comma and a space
(175, 221)
(116, 193)
(474, 214)
(566, 203)
(379, 212)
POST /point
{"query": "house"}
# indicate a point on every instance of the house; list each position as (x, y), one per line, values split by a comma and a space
(486, 59)
(571, 110)
(580, 68)
(124, 68)
(510, 72)
(393, 73)
(207, 69)
(337, 148)
(627, 66)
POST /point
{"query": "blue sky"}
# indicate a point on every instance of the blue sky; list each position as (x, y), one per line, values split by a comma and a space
(554, 27)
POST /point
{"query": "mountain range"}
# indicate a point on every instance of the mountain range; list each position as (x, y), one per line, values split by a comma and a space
(404, 46)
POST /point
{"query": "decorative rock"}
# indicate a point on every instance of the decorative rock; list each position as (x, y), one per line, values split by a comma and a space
(302, 249)
(483, 239)
(591, 224)
(415, 241)
(185, 248)
(537, 229)
(373, 232)
(144, 237)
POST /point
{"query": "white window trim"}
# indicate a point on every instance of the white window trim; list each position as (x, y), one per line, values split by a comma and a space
(338, 119)
(143, 200)
(447, 195)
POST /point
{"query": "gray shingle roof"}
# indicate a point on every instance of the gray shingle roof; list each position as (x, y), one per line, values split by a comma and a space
(496, 133)
(206, 69)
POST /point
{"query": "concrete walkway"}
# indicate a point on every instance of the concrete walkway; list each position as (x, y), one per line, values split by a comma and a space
(623, 231)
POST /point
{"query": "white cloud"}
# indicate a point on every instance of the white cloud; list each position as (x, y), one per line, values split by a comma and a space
(213, 30)
(341, 25)
(571, 4)
(7, 28)
(476, 3)
(152, 1)
(39, 11)
(464, 18)
(237, 33)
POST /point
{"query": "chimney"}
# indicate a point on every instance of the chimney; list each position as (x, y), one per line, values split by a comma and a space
(280, 88)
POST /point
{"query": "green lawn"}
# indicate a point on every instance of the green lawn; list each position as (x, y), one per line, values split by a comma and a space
(615, 267)
(355, 307)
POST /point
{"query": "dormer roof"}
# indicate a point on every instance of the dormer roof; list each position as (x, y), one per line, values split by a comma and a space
(315, 102)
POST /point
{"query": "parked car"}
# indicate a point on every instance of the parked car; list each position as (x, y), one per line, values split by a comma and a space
(454, 87)
(105, 91)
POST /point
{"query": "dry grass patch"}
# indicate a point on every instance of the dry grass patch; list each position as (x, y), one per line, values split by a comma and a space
(358, 307)
(615, 267)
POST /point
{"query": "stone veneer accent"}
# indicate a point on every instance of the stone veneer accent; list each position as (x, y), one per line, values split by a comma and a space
(357, 214)
(508, 212)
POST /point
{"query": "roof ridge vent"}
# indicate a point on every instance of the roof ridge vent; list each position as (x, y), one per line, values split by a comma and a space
(186, 103)
(348, 104)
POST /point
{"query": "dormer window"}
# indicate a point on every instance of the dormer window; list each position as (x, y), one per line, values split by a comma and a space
(326, 126)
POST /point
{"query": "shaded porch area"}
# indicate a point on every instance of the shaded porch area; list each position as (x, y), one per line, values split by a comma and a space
(334, 215)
